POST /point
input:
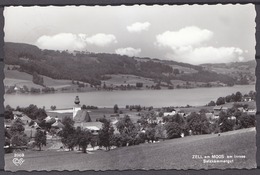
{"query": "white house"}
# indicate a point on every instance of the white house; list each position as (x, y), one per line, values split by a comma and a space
(165, 114)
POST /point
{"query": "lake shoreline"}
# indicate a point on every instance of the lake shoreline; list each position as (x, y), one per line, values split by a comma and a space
(159, 98)
(59, 91)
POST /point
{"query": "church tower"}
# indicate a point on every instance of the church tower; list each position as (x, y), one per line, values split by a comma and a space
(77, 106)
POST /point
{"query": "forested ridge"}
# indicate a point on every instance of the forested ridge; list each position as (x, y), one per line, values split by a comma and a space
(94, 67)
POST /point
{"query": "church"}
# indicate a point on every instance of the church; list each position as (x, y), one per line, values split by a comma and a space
(79, 114)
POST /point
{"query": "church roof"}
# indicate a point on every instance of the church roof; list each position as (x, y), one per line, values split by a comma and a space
(82, 116)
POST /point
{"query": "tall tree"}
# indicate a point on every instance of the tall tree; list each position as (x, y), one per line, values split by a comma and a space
(106, 134)
(68, 137)
(40, 139)
(220, 101)
(116, 108)
(84, 138)
(173, 130)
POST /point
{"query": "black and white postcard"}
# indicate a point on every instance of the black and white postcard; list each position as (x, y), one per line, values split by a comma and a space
(130, 87)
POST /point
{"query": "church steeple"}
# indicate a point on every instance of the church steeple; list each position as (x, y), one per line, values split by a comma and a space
(76, 107)
(77, 100)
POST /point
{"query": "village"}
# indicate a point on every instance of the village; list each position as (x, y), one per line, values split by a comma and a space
(33, 128)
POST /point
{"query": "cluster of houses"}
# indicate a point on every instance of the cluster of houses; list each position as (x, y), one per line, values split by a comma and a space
(211, 116)
(82, 118)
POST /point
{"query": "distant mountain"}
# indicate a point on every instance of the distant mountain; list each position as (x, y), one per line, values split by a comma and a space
(94, 67)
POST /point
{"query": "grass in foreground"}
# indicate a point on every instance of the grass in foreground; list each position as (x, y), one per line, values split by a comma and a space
(170, 154)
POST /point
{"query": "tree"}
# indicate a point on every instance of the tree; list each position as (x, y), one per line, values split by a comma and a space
(40, 139)
(173, 130)
(238, 97)
(17, 127)
(176, 71)
(37, 79)
(25, 88)
(106, 134)
(252, 94)
(150, 134)
(19, 139)
(228, 98)
(53, 108)
(68, 136)
(247, 121)
(225, 123)
(116, 108)
(93, 142)
(125, 125)
(220, 101)
(8, 114)
(84, 107)
(84, 138)
(118, 140)
(198, 123)
(33, 112)
(139, 85)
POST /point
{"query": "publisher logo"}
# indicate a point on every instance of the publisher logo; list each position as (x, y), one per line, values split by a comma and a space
(18, 159)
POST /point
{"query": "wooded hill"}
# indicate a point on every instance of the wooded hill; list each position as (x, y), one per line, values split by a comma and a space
(94, 67)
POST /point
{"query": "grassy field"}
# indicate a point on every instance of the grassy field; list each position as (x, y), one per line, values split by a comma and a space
(169, 154)
(118, 80)
(14, 77)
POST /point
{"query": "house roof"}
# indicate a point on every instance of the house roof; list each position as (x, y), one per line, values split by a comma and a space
(23, 117)
(57, 124)
(96, 125)
(217, 107)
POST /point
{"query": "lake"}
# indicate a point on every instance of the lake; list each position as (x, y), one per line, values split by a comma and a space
(155, 98)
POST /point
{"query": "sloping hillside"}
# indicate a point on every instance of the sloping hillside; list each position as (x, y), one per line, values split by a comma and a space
(92, 68)
(243, 72)
(20, 79)
(170, 154)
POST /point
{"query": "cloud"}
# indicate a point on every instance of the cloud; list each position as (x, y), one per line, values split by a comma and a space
(71, 42)
(61, 41)
(101, 39)
(185, 37)
(129, 51)
(138, 27)
(210, 54)
(189, 45)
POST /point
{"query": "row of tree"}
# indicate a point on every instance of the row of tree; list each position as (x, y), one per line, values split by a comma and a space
(237, 97)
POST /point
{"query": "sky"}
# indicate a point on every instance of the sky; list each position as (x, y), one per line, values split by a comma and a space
(194, 34)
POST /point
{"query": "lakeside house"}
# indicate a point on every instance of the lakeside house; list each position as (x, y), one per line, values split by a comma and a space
(169, 113)
(251, 111)
(247, 99)
(218, 109)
